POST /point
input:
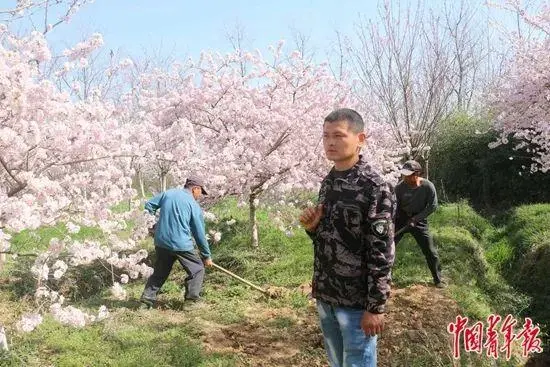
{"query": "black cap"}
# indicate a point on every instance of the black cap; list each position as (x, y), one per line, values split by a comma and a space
(195, 181)
(410, 167)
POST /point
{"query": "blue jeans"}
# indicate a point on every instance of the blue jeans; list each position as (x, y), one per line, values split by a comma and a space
(345, 342)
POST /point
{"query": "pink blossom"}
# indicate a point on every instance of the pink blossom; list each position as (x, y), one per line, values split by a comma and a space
(70, 315)
(118, 292)
(102, 313)
(29, 322)
(520, 99)
(72, 228)
(210, 216)
(59, 269)
(4, 241)
(124, 278)
(146, 271)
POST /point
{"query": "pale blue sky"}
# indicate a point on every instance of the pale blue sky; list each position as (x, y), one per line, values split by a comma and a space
(187, 27)
(182, 28)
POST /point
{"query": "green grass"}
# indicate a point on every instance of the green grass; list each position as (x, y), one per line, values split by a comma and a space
(529, 233)
(461, 215)
(121, 341)
(279, 260)
(471, 263)
(529, 229)
(38, 240)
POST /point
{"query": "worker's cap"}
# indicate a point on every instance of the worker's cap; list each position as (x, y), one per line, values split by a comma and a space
(410, 167)
(195, 181)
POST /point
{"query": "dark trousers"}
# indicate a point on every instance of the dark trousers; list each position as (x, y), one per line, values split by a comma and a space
(192, 265)
(424, 239)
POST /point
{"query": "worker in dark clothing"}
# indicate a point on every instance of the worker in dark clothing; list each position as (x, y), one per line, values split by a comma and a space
(416, 200)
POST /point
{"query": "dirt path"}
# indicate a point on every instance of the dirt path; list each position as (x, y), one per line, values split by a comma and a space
(417, 325)
(258, 345)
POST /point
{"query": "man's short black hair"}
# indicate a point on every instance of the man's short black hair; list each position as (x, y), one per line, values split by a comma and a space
(353, 118)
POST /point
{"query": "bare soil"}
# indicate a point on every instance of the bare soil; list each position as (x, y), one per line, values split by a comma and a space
(416, 323)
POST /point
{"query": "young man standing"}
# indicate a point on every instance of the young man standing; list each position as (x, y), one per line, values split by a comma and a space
(416, 200)
(352, 232)
(180, 221)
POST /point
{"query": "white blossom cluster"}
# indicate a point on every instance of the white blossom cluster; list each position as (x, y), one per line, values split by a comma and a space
(72, 316)
(118, 292)
(29, 322)
(62, 255)
(214, 236)
(4, 241)
(211, 217)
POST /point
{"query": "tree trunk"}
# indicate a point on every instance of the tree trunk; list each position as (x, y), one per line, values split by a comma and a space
(253, 221)
(163, 182)
(486, 188)
(141, 185)
(427, 168)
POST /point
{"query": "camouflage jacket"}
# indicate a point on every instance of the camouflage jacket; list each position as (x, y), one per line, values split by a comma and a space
(353, 243)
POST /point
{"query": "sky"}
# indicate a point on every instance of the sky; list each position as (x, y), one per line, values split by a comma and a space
(185, 28)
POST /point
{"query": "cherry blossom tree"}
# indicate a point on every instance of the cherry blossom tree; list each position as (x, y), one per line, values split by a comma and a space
(521, 101)
(167, 141)
(55, 154)
(263, 124)
(418, 63)
(60, 159)
(257, 127)
(52, 13)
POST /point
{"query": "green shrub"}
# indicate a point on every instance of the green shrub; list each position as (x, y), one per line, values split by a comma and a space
(463, 166)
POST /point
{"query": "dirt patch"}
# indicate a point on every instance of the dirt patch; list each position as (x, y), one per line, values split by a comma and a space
(269, 337)
(277, 292)
(417, 323)
(539, 360)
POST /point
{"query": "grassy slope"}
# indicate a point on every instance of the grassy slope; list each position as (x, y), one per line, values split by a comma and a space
(529, 258)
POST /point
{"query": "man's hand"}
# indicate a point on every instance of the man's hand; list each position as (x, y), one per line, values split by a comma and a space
(207, 262)
(372, 323)
(151, 230)
(311, 217)
(411, 223)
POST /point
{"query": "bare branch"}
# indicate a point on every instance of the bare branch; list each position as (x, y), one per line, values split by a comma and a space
(9, 171)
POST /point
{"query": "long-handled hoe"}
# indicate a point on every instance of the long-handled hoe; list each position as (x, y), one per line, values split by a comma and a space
(272, 292)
